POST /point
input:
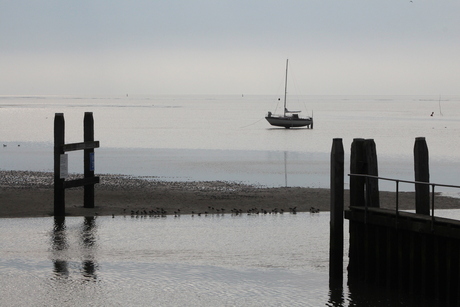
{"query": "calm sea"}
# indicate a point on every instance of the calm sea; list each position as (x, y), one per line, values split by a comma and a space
(272, 260)
(214, 260)
(227, 138)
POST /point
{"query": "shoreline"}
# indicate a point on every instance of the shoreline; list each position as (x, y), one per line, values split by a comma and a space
(30, 194)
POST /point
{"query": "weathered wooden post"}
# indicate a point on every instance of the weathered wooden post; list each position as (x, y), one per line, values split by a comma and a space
(88, 159)
(60, 163)
(422, 174)
(59, 194)
(372, 184)
(336, 223)
(357, 166)
(357, 198)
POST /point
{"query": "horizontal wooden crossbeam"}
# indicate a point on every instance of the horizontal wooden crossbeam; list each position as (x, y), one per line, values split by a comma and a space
(80, 146)
(80, 182)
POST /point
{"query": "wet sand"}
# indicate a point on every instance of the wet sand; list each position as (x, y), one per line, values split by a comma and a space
(30, 194)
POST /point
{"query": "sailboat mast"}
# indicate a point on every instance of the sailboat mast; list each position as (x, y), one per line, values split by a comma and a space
(285, 87)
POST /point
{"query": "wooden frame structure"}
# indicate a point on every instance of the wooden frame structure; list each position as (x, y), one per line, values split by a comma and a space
(60, 163)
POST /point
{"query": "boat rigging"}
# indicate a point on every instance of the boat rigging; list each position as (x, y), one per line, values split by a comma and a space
(289, 119)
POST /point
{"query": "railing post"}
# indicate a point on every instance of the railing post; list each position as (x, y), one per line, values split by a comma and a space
(336, 211)
(397, 202)
(432, 206)
(88, 159)
(422, 174)
(59, 191)
(357, 166)
(372, 186)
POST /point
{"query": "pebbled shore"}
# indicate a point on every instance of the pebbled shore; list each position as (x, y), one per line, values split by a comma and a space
(30, 194)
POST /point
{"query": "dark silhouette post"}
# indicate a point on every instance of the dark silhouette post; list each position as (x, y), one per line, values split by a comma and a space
(372, 184)
(336, 223)
(88, 158)
(422, 174)
(59, 194)
(357, 166)
(60, 161)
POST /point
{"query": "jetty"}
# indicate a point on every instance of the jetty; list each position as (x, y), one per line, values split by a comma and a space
(410, 251)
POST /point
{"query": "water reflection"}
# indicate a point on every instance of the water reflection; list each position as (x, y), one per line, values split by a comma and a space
(360, 293)
(63, 251)
(269, 260)
(88, 239)
(336, 292)
(59, 241)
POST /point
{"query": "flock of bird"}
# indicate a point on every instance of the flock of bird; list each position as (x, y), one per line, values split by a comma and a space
(158, 212)
(161, 212)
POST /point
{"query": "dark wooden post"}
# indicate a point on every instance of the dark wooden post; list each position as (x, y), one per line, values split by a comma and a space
(357, 166)
(372, 184)
(336, 223)
(88, 159)
(422, 173)
(59, 192)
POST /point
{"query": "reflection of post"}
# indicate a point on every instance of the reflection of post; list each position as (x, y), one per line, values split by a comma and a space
(88, 159)
(89, 269)
(87, 233)
(59, 244)
(336, 296)
(88, 242)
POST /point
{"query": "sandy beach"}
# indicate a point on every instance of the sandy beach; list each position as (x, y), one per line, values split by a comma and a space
(30, 194)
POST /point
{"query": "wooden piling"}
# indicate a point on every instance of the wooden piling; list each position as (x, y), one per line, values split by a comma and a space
(372, 184)
(60, 161)
(357, 166)
(59, 194)
(88, 159)
(336, 212)
(422, 174)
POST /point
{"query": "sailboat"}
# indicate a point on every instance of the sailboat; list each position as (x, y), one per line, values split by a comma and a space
(289, 118)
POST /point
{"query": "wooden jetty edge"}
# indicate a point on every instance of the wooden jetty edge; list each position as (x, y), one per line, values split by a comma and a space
(415, 253)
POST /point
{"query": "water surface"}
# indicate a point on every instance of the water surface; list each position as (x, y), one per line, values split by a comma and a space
(227, 138)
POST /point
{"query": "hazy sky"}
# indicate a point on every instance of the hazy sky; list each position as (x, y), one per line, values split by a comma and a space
(338, 47)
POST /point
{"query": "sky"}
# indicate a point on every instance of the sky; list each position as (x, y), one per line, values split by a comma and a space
(173, 47)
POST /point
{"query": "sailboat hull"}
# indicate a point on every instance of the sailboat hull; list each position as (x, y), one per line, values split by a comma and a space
(289, 122)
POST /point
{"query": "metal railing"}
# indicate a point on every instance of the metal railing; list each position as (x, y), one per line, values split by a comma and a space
(397, 181)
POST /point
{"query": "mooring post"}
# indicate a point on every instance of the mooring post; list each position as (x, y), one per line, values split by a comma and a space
(357, 166)
(59, 194)
(372, 184)
(422, 174)
(88, 160)
(336, 223)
